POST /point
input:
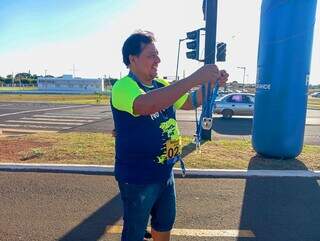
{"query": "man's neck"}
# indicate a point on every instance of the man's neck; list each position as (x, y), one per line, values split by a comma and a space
(143, 79)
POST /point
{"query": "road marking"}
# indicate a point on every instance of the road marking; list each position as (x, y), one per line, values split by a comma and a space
(40, 110)
(117, 229)
(50, 119)
(67, 116)
(25, 131)
(76, 114)
(5, 105)
(45, 122)
(34, 126)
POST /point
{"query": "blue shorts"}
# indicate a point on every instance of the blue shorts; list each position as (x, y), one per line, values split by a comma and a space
(141, 201)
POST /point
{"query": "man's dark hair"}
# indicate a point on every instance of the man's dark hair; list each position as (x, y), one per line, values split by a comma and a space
(135, 43)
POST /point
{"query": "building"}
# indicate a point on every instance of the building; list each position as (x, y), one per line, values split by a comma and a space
(67, 83)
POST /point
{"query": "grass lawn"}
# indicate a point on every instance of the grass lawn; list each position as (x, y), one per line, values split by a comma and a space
(313, 103)
(17, 88)
(57, 99)
(97, 148)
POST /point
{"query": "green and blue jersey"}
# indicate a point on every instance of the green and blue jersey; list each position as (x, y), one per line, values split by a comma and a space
(144, 144)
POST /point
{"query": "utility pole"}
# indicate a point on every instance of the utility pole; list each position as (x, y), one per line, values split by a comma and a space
(210, 8)
(74, 70)
(12, 79)
(178, 57)
(244, 75)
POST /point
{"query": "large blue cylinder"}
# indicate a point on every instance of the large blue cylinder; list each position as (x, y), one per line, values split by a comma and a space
(285, 46)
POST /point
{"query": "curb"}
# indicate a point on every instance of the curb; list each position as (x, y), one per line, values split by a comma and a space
(199, 173)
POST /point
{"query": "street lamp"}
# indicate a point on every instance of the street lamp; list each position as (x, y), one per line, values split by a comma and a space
(13, 79)
(244, 75)
(180, 40)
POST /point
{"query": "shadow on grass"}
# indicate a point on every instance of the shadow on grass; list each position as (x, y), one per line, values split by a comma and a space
(259, 162)
(189, 148)
(281, 208)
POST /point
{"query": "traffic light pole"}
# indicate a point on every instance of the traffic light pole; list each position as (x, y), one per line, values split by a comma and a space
(211, 7)
(178, 58)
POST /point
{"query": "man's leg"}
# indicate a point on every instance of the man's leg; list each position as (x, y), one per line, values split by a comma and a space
(164, 212)
(160, 236)
(137, 203)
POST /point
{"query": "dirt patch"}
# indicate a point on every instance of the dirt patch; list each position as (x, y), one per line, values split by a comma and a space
(12, 149)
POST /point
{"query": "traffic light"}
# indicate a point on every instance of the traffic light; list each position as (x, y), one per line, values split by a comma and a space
(193, 45)
(221, 52)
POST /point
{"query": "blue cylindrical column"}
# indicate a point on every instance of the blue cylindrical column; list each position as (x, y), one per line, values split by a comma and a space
(285, 46)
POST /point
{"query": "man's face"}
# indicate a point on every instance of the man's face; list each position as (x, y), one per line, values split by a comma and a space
(147, 62)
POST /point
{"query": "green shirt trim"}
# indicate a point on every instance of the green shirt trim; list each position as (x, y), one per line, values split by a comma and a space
(123, 94)
(126, 90)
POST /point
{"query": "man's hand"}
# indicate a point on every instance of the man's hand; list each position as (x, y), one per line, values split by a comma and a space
(207, 73)
(223, 78)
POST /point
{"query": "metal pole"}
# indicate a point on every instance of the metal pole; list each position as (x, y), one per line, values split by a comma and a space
(211, 29)
(211, 8)
(244, 76)
(178, 58)
(12, 79)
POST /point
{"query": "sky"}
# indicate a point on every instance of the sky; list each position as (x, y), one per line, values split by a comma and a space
(53, 35)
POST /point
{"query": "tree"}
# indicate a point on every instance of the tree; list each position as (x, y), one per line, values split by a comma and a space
(22, 76)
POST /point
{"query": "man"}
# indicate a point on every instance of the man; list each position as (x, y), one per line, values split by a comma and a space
(148, 141)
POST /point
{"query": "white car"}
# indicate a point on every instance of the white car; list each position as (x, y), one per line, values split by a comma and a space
(235, 104)
(316, 95)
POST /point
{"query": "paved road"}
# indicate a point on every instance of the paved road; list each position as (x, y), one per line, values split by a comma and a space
(241, 127)
(52, 117)
(49, 206)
